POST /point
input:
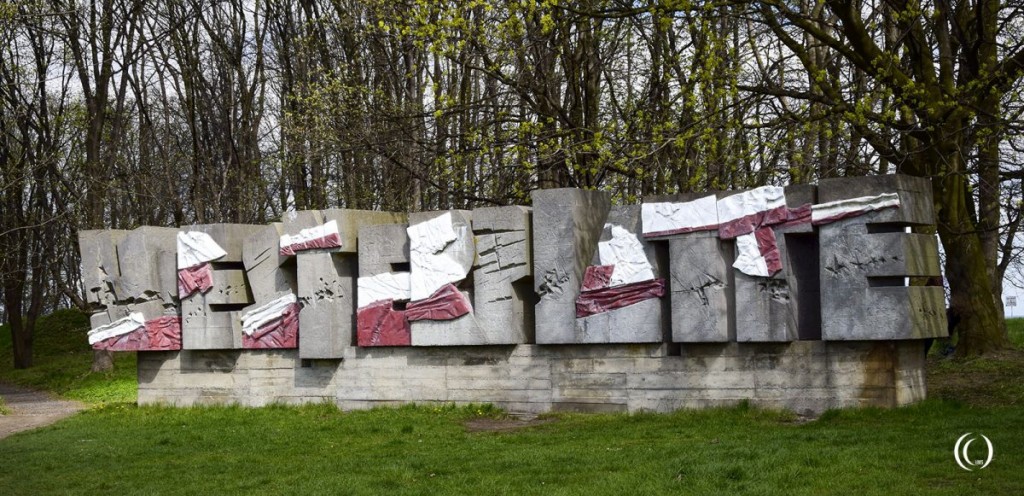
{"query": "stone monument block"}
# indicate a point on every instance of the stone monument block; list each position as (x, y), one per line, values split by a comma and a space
(327, 274)
(501, 287)
(147, 272)
(567, 224)
(210, 316)
(101, 272)
(701, 277)
(785, 306)
(383, 287)
(639, 322)
(593, 271)
(269, 273)
(144, 317)
(869, 258)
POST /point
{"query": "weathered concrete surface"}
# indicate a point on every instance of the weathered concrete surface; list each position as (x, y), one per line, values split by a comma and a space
(501, 290)
(501, 219)
(866, 260)
(349, 221)
(804, 376)
(637, 323)
(293, 222)
(211, 320)
(327, 290)
(130, 271)
(567, 225)
(269, 273)
(230, 237)
(784, 307)
(206, 328)
(383, 248)
(642, 322)
(101, 272)
(148, 264)
(701, 287)
(915, 193)
(701, 281)
(326, 282)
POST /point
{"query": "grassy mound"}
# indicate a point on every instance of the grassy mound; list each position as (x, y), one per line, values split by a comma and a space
(996, 379)
(62, 359)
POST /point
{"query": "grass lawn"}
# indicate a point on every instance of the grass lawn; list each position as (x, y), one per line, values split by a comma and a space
(1015, 328)
(118, 448)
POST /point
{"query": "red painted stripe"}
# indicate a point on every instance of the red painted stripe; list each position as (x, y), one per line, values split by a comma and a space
(796, 216)
(164, 333)
(330, 241)
(750, 223)
(380, 324)
(603, 300)
(281, 333)
(447, 303)
(159, 334)
(198, 278)
(597, 277)
(684, 230)
(769, 248)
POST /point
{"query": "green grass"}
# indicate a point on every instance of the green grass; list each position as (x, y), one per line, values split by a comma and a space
(416, 450)
(1015, 328)
(995, 379)
(992, 380)
(3, 407)
(118, 448)
(62, 358)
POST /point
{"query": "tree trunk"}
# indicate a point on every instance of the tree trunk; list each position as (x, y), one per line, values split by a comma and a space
(21, 337)
(980, 326)
(102, 361)
(989, 207)
(22, 344)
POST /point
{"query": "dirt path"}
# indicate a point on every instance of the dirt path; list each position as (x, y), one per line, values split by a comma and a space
(32, 409)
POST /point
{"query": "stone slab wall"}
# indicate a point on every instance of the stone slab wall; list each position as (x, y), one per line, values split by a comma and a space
(803, 376)
(804, 297)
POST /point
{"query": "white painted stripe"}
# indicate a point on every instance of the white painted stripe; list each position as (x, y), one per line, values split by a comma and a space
(748, 257)
(266, 313)
(310, 233)
(386, 286)
(861, 204)
(433, 235)
(195, 248)
(673, 216)
(627, 255)
(750, 202)
(438, 254)
(132, 322)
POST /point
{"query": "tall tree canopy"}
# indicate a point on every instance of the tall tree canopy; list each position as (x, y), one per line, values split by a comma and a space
(117, 113)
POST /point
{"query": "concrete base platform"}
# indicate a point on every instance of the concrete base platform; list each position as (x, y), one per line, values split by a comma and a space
(807, 377)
